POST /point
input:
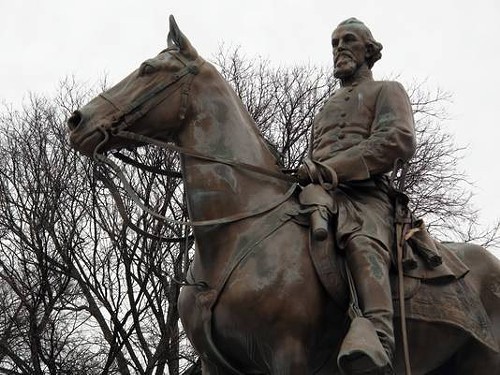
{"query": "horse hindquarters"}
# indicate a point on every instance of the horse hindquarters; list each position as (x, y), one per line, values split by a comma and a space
(475, 358)
(440, 349)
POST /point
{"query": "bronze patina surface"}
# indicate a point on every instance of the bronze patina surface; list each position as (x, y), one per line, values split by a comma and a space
(264, 310)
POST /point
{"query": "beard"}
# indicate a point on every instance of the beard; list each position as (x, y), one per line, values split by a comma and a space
(344, 67)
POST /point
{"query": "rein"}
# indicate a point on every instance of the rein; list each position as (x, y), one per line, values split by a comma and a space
(137, 164)
(224, 220)
(182, 150)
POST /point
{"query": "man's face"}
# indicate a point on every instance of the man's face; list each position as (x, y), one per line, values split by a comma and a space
(349, 51)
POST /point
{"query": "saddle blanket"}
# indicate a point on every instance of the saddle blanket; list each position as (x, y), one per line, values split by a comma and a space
(453, 303)
(447, 300)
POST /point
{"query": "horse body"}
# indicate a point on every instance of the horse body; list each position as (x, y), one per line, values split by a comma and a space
(265, 312)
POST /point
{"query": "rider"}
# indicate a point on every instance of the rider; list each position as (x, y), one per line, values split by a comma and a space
(363, 129)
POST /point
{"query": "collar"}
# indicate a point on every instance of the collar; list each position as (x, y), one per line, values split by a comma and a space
(363, 74)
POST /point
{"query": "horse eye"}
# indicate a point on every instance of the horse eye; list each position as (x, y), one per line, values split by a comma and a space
(146, 69)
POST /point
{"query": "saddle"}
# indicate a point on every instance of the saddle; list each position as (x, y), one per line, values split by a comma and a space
(435, 279)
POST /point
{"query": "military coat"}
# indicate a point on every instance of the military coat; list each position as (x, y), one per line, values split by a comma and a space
(360, 133)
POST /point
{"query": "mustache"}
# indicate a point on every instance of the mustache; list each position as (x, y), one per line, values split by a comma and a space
(343, 54)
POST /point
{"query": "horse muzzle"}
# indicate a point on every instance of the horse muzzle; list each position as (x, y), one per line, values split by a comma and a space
(86, 136)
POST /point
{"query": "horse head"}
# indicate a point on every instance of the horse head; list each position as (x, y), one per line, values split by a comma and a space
(133, 105)
(178, 97)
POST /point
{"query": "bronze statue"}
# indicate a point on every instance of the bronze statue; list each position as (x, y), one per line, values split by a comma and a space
(359, 135)
(260, 299)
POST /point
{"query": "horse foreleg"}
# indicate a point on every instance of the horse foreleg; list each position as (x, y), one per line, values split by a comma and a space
(290, 358)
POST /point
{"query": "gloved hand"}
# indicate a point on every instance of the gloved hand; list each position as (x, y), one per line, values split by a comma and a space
(317, 173)
(303, 176)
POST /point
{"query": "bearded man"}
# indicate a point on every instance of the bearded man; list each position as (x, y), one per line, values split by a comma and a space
(364, 128)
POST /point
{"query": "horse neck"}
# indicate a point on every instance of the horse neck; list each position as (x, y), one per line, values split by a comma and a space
(219, 126)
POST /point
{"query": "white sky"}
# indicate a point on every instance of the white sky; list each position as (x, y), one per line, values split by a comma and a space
(453, 44)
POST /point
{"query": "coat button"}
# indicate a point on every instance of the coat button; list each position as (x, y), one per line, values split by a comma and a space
(347, 98)
(341, 136)
(342, 124)
(343, 114)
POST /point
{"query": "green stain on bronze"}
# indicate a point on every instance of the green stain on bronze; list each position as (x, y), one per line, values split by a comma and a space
(375, 267)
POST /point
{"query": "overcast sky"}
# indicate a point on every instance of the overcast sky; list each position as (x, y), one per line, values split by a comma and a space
(451, 44)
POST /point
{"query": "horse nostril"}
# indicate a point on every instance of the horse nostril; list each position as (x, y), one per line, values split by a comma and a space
(75, 120)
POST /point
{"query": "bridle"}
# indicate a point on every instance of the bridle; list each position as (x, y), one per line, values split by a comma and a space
(147, 101)
(138, 108)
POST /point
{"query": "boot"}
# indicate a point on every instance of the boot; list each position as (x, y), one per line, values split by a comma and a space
(369, 261)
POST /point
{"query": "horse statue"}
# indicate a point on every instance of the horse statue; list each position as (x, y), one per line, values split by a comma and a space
(256, 304)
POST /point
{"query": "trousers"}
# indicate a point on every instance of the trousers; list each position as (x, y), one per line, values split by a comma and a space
(369, 262)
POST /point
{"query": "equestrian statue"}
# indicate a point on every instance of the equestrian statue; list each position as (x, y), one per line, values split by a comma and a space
(324, 272)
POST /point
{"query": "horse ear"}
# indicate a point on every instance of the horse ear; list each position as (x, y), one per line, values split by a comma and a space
(177, 38)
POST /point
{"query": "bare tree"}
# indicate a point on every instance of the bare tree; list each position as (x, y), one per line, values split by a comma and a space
(84, 292)
(133, 277)
(439, 188)
(38, 333)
